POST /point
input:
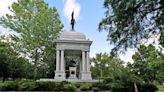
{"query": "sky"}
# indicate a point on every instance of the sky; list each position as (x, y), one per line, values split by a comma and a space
(88, 14)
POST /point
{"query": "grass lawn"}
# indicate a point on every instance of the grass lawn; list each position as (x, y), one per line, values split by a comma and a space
(160, 88)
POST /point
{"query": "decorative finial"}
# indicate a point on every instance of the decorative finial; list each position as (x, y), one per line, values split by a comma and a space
(72, 21)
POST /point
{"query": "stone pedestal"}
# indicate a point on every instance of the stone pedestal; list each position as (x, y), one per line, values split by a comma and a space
(85, 76)
(60, 75)
(72, 73)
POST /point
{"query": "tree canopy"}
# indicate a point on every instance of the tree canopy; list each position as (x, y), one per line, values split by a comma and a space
(130, 22)
(36, 25)
(148, 64)
(103, 63)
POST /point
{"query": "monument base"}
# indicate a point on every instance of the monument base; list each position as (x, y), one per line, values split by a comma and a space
(69, 80)
(72, 78)
(85, 76)
(59, 75)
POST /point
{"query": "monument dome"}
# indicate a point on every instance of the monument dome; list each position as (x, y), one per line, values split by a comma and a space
(72, 35)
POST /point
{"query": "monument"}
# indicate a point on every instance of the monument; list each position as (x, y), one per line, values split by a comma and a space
(72, 56)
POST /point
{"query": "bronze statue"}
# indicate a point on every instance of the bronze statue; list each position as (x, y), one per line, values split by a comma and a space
(72, 21)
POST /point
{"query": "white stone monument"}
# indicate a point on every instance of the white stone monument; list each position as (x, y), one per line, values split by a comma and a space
(75, 44)
(72, 43)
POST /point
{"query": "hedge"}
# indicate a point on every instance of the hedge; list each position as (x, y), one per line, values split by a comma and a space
(85, 86)
(69, 87)
(8, 85)
(30, 85)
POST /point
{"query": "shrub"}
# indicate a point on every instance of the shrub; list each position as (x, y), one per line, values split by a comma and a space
(69, 87)
(46, 86)
(27, 85)
(95, 84)
(59, 86)
(148, 87)
(107, 80)
(8, 86)
(116, 87)
(95, 89)
(43, 86)
(50, 86)
(102, 86)
(107, 86)
(77, 85)
(85, 87)
(65, 82)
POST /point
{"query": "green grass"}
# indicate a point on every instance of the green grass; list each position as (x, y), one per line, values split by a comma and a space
(160, 88)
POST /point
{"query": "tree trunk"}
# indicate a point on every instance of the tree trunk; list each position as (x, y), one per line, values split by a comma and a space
(3, 79)
(101, 72)
(35, 64)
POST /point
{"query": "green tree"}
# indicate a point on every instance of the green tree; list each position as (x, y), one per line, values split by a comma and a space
(129, 22)
(36, 25)
(50, 60)
(160, 70)
(4, 68)
(10, 64)
(19, 68)
(106, 66)
(147, 63)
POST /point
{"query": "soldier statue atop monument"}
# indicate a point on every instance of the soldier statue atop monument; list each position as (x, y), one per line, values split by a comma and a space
(72, 21)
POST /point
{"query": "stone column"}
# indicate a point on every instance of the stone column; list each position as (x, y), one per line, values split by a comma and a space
(83, 61)
(85, 74)
(60, 72)
(62, 60)
(88, 62)
(57, 60)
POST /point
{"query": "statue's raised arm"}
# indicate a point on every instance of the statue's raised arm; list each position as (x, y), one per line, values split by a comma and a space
(72, 21)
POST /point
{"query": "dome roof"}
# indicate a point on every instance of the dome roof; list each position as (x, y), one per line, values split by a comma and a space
(72, 35)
